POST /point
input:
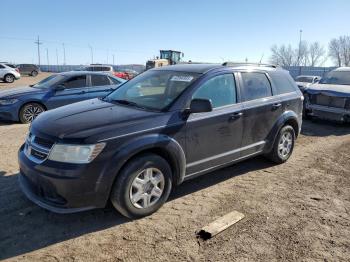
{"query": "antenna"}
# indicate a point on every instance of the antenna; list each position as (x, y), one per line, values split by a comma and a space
(261, 58)
(38, 43)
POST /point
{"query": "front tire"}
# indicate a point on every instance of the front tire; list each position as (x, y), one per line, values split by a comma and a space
(142, 186)
(283, 146)
(29, 112)
(9, 78)
(34, 73)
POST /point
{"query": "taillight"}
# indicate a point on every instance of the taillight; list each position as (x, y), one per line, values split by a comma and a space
(17, 70)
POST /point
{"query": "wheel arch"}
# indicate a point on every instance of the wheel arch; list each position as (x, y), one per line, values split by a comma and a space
(287, 118)
(162, 145)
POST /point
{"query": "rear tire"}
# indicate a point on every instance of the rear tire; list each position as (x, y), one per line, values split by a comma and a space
(29, 112)
(9, 78)
(34, 73)
(283, 145)
(142, 186)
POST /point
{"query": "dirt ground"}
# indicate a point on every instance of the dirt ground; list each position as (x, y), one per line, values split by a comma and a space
(298, 211)
(24, 80)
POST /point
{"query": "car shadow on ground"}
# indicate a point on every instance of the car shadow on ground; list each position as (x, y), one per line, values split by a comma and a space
(26, 227)
(322, 128)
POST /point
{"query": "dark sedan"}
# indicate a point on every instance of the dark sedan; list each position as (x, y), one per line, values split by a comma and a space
(24, 104)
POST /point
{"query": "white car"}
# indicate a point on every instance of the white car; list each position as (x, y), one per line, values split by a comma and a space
(8, 74)
(304, 81)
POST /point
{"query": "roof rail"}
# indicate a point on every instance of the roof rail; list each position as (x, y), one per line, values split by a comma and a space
(248, 64)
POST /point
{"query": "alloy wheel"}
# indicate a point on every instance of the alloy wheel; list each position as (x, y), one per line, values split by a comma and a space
(31, 112)
(285, 144)
(147, 188)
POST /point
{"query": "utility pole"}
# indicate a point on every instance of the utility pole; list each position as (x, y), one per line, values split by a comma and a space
(64, 54)
(107, 55)
(56, 57)
(92, 54)
(299, 53)
(113, 59)
(47, 58)
(38, 43)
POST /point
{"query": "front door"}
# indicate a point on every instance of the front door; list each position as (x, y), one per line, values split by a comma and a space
(214, 138)
(75, 90)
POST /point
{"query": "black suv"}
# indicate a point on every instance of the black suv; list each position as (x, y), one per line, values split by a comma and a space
(164, 126)
(28, 69)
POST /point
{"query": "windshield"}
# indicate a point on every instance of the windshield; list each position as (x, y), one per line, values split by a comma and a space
(48, 81)
(304, 79)
(336, 78)
(154, 90)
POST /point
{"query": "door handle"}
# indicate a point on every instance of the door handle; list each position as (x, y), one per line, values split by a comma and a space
(276, 106)
(82, 92)
(235, 116)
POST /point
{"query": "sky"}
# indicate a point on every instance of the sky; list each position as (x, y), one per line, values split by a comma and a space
(135, 31)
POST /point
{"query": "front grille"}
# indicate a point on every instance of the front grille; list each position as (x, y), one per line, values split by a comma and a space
(37, 149)
(330, 101)
(43, 142)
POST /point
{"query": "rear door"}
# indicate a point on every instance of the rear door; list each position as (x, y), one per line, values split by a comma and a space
(261, 110)
(214, 138)
(75, 90)
(101, 85)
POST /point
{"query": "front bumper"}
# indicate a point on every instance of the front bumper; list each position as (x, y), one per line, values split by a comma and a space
(9, 112)
(61, 188)
(328, 113)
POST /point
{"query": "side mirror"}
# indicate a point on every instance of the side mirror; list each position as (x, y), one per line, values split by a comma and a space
(60, 88)
(199, 105)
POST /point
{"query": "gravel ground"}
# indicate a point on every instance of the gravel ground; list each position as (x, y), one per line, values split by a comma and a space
(298, 211)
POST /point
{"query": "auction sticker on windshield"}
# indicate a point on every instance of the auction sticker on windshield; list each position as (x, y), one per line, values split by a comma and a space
(182, 78)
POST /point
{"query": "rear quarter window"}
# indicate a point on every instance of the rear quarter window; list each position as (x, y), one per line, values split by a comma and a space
(283, 83)
(255, 86)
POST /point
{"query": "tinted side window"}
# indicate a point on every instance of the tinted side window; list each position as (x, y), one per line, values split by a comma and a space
(221, 90)
(75, 82)
(283, 83)
(99, 80)
(105, 68)
(1, 66)
(255, 86)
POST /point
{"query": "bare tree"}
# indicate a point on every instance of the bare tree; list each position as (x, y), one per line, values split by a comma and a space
(283, 55)
(339, 50)
(334, 51)
(345, 49)
(316, 53)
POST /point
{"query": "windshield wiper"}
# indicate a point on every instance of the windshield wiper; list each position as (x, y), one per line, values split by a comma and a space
(129, 103)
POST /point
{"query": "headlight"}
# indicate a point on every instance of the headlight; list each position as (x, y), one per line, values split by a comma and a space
(76, 154)
(5, 102)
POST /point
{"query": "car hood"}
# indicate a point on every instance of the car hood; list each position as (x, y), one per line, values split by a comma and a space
(93, 118)
(15, 92)
(330, 90)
